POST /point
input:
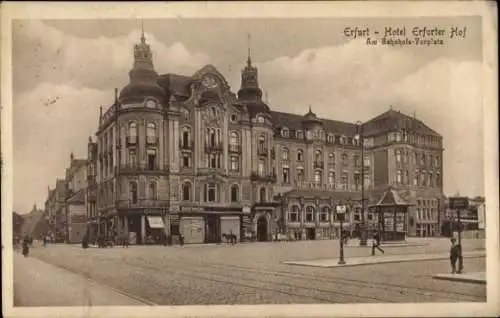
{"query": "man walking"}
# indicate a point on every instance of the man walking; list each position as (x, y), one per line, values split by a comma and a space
(376, 243)
(455, 254)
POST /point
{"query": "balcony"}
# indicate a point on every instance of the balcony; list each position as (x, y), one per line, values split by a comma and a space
(235, 148)
(270, 177)
(319, 164)
(213, 148)
(186, 146)
(262, 151)
(303, 185)
(141, 203)
(152, 140)
(141, 169)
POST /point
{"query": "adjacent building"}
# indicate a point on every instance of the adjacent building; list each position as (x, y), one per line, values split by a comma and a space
(179, 154)
(76, 189)
(55, 206)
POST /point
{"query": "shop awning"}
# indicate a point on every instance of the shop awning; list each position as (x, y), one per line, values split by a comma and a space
(156, 222)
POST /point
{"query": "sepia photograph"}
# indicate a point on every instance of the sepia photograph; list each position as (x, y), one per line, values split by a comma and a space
(217, 154)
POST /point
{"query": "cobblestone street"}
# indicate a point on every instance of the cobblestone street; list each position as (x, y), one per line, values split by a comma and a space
(255, 273)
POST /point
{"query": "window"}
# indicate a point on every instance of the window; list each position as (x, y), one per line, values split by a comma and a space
(357, 162)
(262, 167)
(345, 181)
(423, 178)
(416, 177)
(262, 194)
(151, 159)
(132, 159)
(317, 156)
(367, 161)
(438, 179)
(323, 216)
(260, 119)
(300, 155)
(398, 136)
(235, 193)
(132, 131)
(317, 176)
(133, 192)
(331, 158)
(233, 118)
(300, 134)
(284, 154)
(151, 132)
(153, 193)
(422, 159)
(286, 175)
(431, 160)
(234, 164)
(185, 114)
(430, 180)
(438, 161)
(211, 138)
(331, 177)
(293, 216)
(344, 157)
(398, 155)
(331, 138)
(406, 177)
(343, 140)
(211, 192)
(415, 158)
(399, 176)
(234, 139)
(262, 142)
(284, 132)
(309, 214)
(186, 191)
(186, 136)
(357, 181)
(300, 174)
(186, 160)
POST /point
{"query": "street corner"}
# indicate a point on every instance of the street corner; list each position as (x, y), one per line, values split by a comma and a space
(474, 277)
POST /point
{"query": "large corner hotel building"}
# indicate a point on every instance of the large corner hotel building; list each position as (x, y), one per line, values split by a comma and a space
(183, 154)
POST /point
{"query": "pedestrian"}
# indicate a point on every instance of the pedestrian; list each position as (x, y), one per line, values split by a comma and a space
(181, 239)
(455, 255)
(85, 242)
(44, 240)
(26, 246)
(376, 243)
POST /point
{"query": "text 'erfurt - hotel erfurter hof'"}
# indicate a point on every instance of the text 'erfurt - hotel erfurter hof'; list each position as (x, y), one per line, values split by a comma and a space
(401, 35)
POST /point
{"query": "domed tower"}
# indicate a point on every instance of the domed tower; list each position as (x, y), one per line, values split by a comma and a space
(143, 77)
(311, 121)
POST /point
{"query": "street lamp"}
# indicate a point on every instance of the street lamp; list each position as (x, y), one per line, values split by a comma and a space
(459, 230)
(341, 210)
(360, 138)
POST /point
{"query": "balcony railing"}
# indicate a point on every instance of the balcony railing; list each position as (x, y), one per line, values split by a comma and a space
(213, 148)
(319, 164)
(141, 168)
(131, 140)
(269, 177)
(142, 203)
(262, 151)
(186, 146)
(235, 148)
(327, 187)
(152, 140)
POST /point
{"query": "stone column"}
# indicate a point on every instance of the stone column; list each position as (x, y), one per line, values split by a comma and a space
(143, 229)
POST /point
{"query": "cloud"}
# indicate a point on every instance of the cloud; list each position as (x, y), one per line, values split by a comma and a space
(46, 54)
(357, 82)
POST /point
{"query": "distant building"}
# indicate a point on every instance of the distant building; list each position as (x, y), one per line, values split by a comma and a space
(472, 219)
(55, 205)
(34, 223)
(17, 224)
(76, 185)
(91, 191)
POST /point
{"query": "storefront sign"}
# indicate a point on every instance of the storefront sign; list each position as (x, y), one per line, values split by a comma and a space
(459, 203)
(156, 222)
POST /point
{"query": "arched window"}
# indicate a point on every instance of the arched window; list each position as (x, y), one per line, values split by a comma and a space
(300, 155)
(300, 174)
(262, 194)
(151, 129)
(262, 141)
(331, 158)
(212, 140)
(309, 214)
(153, 191)
(284, 154)
(317, 176)
(344, 159)
(133, 192)
(235, 195)
(186, 191)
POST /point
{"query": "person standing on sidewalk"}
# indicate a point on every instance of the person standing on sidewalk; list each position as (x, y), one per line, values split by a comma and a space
(376, 243)
(455, 255)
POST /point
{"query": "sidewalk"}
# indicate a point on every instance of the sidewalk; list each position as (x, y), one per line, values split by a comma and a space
(477, 277)
(382, 259)
(37, 283)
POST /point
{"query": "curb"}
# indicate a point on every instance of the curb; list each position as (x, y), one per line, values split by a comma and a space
(459, 278)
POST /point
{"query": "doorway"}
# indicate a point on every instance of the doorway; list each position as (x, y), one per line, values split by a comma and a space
(262, 229)
(310, 233)
(212, 229)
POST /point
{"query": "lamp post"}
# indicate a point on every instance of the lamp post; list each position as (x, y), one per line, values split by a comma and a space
(360, 137)
(341, 210)
(460, 256)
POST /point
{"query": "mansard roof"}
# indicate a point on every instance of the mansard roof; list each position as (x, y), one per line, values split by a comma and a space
(174, 84)
(294, 121)
(393, 120)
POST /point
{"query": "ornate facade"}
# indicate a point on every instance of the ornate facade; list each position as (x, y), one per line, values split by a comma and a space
(185, 155)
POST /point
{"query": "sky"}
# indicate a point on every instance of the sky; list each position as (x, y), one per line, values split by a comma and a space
(64, 70)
